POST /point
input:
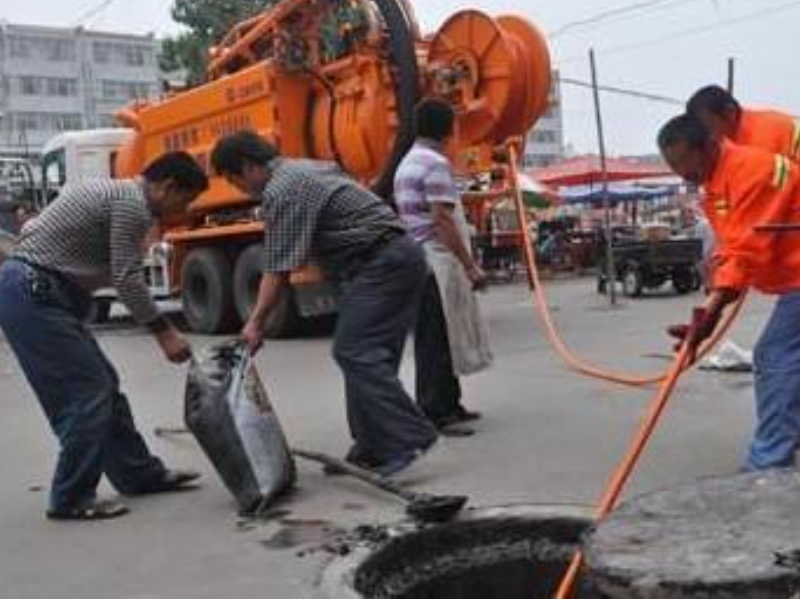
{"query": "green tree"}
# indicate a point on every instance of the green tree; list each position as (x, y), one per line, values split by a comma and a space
(206, 22)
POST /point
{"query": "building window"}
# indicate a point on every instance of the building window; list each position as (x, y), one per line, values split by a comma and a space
(102, 52)
(106, 120)
(30, 86)
(132, 55)
(544, 136)
(19, 47)
(125, 90)
(58, 86)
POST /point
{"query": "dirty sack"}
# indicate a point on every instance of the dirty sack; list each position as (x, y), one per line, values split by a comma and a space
(228, 411)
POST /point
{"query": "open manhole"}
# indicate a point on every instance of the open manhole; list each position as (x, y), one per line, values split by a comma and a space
(508, 552)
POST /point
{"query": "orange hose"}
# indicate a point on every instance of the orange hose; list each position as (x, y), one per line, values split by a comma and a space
(629, 460)
(541, 306)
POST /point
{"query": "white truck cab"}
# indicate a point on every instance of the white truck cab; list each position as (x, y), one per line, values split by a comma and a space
(80, 155)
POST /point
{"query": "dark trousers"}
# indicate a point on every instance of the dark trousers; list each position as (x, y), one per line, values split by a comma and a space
(76, 385)
(376, 312)
(438, 389)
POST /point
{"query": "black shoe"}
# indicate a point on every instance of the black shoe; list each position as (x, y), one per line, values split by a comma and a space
(355, 458)
(465, 415)
(454, 430)
(96, 511)
(171, 481)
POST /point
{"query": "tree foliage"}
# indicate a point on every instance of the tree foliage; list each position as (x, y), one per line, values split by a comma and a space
(206, 22)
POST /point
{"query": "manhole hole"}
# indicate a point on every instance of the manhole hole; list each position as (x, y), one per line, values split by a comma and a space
(509, 552)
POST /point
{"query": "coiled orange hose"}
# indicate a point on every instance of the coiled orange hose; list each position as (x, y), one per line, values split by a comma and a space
(543, 312)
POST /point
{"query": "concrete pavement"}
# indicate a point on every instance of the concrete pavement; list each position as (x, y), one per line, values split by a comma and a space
(548, 435)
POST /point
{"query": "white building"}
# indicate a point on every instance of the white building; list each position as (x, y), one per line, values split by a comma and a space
(54, 80)
(545, 143)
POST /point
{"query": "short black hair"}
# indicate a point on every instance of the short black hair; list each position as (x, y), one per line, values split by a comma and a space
(434, 119)
(232, 151)
(181, 167)
(684, 128)
(714, 99)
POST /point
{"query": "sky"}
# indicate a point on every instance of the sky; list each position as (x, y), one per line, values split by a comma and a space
(664, 47)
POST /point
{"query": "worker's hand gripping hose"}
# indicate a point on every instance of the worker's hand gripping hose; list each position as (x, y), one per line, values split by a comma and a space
(624, 469)
(541, 306)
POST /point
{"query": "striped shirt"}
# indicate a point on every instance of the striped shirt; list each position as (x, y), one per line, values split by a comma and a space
(94, 234)
(423, 179)
(313, 212)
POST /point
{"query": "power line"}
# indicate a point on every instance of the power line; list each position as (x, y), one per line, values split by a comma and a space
(693, 31)
(606, 14)
(670, 4)
(624, 91)
(92, 12)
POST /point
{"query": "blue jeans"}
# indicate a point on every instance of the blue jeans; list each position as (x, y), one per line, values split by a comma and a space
(776, 361)
(376, 312)
(78, 389)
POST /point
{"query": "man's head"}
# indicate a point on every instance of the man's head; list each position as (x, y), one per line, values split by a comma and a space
(689, 147)
(434, 119)
(717, 109)
(243, 160)
(172, 182)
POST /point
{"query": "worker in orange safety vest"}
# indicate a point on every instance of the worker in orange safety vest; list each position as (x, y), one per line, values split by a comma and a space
(770, 130)
(745, 187)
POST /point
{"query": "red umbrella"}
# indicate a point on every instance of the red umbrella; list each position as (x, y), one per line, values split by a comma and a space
(586, 170)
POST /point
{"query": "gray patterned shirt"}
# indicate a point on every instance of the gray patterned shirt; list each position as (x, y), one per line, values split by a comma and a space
(94, 234)
(313, 211)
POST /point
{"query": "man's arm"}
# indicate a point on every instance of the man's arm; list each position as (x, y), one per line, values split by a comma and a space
(272, 285)
(128, 231)
(766, 196)
(442, 196)
(448, 234)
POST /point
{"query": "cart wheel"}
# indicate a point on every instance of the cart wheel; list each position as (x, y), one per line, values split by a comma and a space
(683, 280)
(632, 281)
(601, 284)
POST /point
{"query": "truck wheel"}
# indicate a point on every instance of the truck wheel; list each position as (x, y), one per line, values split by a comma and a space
(682, 280)
(284, 320)
(99, 311)
(632, 282)
(206, 283)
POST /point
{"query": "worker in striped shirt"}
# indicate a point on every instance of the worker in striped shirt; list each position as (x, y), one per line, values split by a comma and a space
(93, 236)
(745, 187)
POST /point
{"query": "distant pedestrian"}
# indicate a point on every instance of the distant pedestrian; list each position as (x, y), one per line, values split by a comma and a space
(450, 337)
(90, 237)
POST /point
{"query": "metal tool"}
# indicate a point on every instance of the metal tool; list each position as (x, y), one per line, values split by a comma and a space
(422, 507)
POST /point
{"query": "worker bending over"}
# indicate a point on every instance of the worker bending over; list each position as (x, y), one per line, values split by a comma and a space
(93, 236)
(313, 211)
(746, 187)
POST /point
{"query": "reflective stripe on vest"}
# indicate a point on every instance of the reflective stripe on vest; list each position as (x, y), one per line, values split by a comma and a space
(781, 174)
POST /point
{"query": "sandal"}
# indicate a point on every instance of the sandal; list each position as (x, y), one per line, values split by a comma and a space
(96, 511)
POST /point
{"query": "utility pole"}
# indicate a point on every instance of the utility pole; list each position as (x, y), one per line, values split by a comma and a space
(611, 271)
(730, 74)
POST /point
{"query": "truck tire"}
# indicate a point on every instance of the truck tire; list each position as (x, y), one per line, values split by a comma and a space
(99, 311)
(206, 291)
(284, 320)
(402, 50)
(632, 281)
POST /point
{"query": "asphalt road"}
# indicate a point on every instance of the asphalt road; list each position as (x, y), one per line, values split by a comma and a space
(548, 435)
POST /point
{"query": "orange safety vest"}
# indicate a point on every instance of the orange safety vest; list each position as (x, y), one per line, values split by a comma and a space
(749, 187)
(769, 130)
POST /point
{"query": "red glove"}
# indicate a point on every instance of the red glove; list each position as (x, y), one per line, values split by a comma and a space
(702, 326)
